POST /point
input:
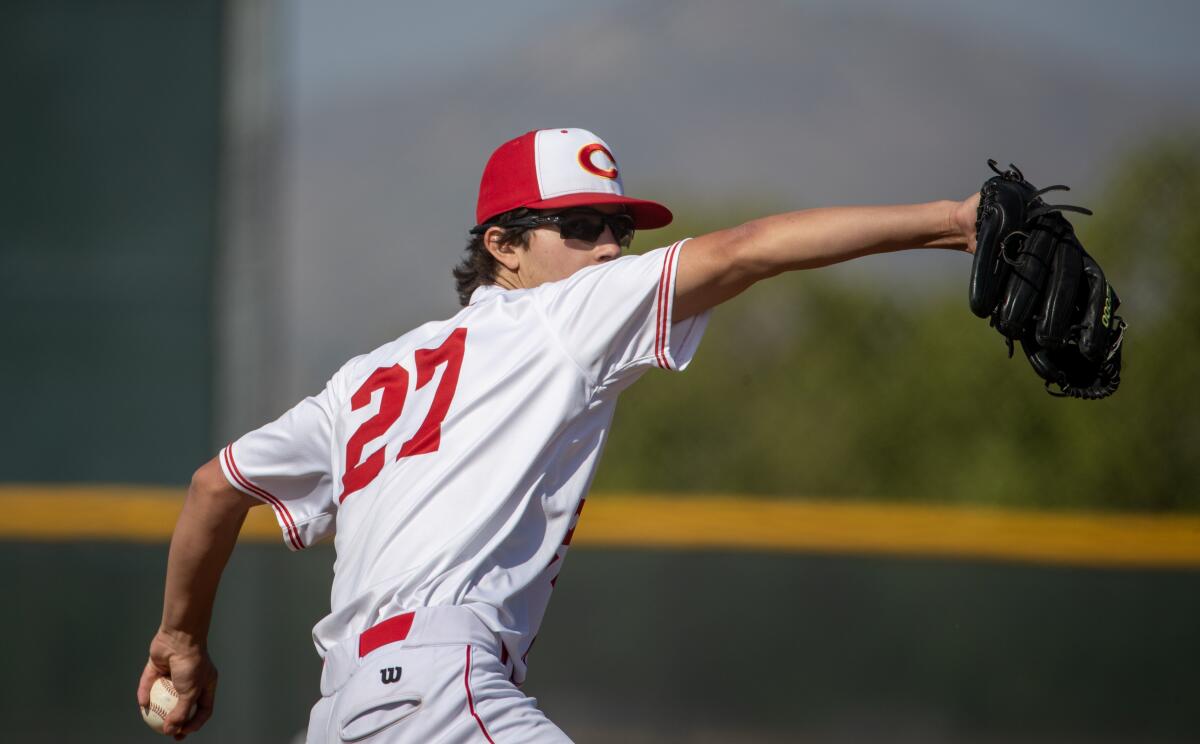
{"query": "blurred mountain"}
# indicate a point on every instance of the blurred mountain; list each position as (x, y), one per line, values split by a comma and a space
(705, 104)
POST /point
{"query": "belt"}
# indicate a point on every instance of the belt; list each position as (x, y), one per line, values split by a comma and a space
(389, 631)
(398, 627)
(422, 627)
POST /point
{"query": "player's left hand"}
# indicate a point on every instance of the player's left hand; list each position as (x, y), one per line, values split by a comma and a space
(963, 218)
(191, 671)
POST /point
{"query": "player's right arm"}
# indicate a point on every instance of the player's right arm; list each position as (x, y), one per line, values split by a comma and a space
(204, 537)
(718, 266)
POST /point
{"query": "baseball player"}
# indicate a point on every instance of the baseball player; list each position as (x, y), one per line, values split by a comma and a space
(450, 466)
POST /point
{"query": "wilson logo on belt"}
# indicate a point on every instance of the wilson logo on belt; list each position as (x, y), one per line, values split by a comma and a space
(389, 675)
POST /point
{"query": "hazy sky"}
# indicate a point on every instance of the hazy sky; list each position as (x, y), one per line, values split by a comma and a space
(345, 48)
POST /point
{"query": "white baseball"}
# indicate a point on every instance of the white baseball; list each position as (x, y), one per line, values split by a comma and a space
(163, 698)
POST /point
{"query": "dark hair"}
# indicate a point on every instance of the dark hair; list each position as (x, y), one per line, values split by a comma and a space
(478, 265)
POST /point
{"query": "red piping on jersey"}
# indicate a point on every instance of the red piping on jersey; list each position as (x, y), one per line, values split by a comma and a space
(293, 534)
(658, 310)
(664, 301)
(471, 701)
(662, 282)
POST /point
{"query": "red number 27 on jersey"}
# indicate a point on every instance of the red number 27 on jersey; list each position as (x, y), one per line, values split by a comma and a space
(393, 381)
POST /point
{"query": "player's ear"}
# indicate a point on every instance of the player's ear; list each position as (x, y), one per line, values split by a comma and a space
(506, 254)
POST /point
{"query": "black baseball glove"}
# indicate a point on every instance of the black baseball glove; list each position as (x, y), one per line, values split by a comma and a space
(1035, 282)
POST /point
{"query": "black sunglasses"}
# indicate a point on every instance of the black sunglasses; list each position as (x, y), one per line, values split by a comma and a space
(581, 224)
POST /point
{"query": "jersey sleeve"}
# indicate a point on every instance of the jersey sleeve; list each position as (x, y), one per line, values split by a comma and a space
(287, 464)
(614, 319)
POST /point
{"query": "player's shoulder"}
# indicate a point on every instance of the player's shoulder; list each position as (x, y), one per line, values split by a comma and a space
(621, 275)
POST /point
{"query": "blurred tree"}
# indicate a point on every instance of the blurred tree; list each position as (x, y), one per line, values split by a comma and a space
(1149, 230)
(810, 386)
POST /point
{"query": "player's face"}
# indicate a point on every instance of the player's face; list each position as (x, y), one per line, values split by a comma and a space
(551, 257)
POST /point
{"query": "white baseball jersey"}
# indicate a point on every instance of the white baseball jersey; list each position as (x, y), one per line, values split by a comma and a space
(451, 464)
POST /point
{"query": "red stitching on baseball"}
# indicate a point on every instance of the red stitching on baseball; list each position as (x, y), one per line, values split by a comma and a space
(157, 709)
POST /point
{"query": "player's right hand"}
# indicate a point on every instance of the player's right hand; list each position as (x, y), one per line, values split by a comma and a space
(191, 671)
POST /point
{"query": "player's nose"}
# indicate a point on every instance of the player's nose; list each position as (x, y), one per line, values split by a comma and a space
(607, 247)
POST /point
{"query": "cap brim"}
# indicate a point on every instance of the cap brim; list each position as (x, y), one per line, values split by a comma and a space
(647, 215)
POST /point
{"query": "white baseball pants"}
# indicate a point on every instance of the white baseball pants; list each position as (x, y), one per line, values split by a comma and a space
(433, 675)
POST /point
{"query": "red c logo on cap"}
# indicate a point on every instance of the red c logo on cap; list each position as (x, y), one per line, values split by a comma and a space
(585, 160)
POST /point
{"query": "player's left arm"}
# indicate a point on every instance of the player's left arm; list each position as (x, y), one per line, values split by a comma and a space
(718, 266)
(204, 538)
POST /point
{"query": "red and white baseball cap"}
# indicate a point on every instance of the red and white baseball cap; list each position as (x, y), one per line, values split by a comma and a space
(555, 169)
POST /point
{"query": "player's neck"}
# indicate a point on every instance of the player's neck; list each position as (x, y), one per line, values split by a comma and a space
(508, 279)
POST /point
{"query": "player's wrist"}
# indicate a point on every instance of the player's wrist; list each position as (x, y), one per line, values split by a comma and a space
(179, 641)
(949, 224)
(946, 211)
(966, 214)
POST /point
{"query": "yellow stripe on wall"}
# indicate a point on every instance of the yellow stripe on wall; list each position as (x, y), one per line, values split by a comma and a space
(104, 512)
(147, 514)
(723, 522)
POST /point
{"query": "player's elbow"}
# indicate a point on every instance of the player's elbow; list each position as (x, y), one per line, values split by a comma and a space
(207, 479)
(210, 487)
